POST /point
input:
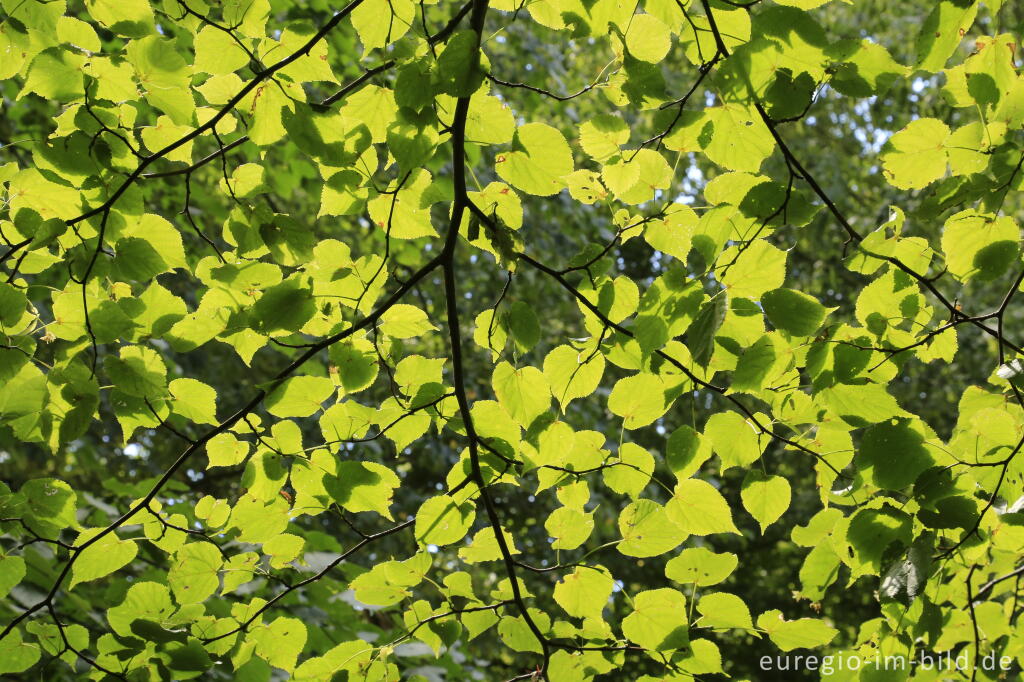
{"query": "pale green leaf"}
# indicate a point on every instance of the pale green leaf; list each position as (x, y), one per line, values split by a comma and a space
(697, 508)
(647, 530)
(193, 576)
(404, 321)
(523, 392)
(793, 311)
(299, 396)
(658, 620)
(541, 165)
(916, 156)
(804, 633)
(647, 38)
(724, 610)
(584, 593)
(102, 557)
(700, 566)
(765, 497)
(442, 520)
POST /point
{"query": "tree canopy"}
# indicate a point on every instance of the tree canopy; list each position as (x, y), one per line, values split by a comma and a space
(561, 340)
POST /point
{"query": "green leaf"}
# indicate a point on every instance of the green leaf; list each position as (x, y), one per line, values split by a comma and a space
(12, 570)
(572, 374)
(802, 4)
(345, 420)
(620, 177)
(514, 631)
(942, 31)
(700, 566)
(347, 656)
(217, 53)
(50, 504)
(143, 600)
(458, 65)
(523, 326)
(734, 27)
(646, 530)
(756, 364)
(765, 497)
(130, 18)
(280, 642)
(616, 298)
(697, 508)
(820, 569)
(862, 540)
(861, 404)
(188, 659)
(363, 486)
(759, 268)
(700, 338)
(259, 521)
(657, 621)
(639, 400)
(194, 400)
(442, 520)
(630, 473)
(603, 136)
(24, 390)
(980, 245)
(267, 127)
(224, 450)
(380, 23)
(246, 180)
(570, 527)
(724, 610)
(870, 70)
(102, 557)
(12, 305)
(804, 633)
(193, 576)
(404, 321)
(916, 156)
(817, 529)
(137, 371)
(740, 141)
(485, 547)
(299, 396)
(647, 38)
(154, 247)
(893, 454)
(30, 189)
(356, 362)
(523, 392)
(673, 234)
(686, 451)
(704, 658)
(585, 592)
(55, 74)
(376, 588)
(904, 579)
(490, 121)
(543, 163)
(165, 75)
(17, 656)
(793, 312)
(735, 440)
(585, 186)
(286, 306)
